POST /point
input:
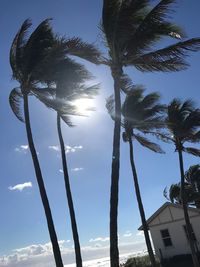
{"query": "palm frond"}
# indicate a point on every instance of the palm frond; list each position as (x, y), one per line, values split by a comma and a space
(192, 175)
(193, 151)
(76, 47)
(153, 27)
(165, 193)
(183, 120)
(165, 137)
(110, 105)
(143, 112)
(194, 138)
(38, 45)
(84, 91)
(17, 48)
(148, 64)
(175, 193)
(109, 17)
(15, 99)
(148, 144)
(67, 120)
(170, 58)
(130, 15)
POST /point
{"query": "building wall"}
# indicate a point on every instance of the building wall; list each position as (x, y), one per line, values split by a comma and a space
(172, 219)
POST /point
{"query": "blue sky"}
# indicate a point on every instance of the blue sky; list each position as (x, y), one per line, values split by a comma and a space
(22, 216)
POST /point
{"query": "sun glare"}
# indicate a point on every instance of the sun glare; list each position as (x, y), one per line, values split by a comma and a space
(84, 106)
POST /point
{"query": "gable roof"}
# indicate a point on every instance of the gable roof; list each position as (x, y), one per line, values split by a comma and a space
(165, 205)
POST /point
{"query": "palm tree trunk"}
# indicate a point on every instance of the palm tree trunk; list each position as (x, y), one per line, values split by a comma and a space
(43, 194)
(114, 251)
(69, 197)
(187, 219)
(140, 205)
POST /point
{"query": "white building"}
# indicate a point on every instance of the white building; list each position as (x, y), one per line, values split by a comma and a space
(167, 228)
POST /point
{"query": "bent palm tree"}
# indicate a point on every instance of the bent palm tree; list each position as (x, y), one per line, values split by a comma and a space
(64, 80)
(141, 114)
(132, 29)
(67, 78)
(25, 58)
(183, 122)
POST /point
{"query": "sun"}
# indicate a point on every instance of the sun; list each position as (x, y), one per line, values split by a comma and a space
(84, 106)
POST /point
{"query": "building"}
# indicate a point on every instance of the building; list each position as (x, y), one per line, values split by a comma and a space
(168, 232)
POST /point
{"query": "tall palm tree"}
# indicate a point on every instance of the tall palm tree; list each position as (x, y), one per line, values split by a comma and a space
(183, 122)
(26, 54)
(141, 114)
(132, 28)
(62, 82)
(192, 189)
(67, 79)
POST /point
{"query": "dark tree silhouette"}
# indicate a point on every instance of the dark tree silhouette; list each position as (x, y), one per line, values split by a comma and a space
(26, 54)
(67, 79)
(141, 115)
(183, 122)
(132, 28)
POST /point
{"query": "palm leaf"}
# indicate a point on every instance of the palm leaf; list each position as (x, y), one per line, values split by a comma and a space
(153, 27)
(67, 120)
(165, 58)
(110, 105)
(15, 99)
(76, 47)
(109, 16)
(148, 144)
(17, 48)
(38, 45)
(193, 151)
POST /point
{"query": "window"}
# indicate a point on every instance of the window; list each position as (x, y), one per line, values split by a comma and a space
(166, 238)
(186, 233)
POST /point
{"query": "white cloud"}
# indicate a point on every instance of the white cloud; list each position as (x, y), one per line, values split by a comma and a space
(68, 149)
(40, 255)
(20, 187)
(77, 169)
(127, 234)
(22, 149)
(61, 171)
(55, 148)
(99, 239)
(140, 233)
(72, 149)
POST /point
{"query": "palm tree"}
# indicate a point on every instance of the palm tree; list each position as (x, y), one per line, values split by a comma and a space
(183, 122)
(141, 114)
(192, 177)
(192, 189)
(132, 29)
(67, 79)
(26, 54)
(62, 82)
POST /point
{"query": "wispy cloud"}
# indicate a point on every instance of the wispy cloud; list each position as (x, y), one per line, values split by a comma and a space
(61, 171)
(20, 187)
(127, 234)
(99, 239)
(22, 149)
(55, 148)
(72, 149)
(77, 169)
(68, 149)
